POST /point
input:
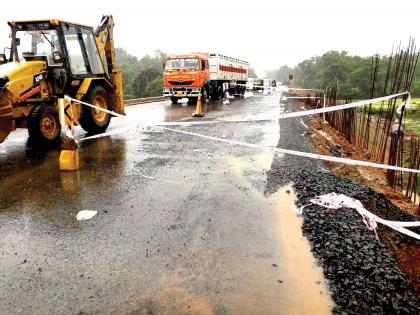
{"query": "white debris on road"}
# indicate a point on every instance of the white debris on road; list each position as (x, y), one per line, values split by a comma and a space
(85, 215)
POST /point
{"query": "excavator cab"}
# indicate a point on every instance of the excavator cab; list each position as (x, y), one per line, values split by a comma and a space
(53, 58)
(60, 45)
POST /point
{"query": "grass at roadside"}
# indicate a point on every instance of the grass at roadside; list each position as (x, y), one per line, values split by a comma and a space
(411, 117)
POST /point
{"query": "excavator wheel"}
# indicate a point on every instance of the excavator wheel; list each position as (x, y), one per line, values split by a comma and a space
(94, 120)
(44, 125)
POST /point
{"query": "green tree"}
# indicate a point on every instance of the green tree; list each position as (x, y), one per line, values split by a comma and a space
(129, 65)
(154, 88)
(143, 79)
(281, 74)
(138, 73)
(352, 74)
(252, 73)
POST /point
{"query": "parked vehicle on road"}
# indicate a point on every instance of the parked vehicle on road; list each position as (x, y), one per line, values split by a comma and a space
(258, 85)
(250, 84)
(50, 59)
(267, 86)
(210, 75)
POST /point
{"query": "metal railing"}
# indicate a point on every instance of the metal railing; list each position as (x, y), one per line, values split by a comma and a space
(144, 100)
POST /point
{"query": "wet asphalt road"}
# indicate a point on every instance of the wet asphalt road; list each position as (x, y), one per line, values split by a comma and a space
(184, 225)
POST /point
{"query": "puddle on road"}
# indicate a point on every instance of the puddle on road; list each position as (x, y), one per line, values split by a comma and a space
(158, 112)
(248, 284)
(295, 285)
(303, 285)
(304, 291)
(303, 288)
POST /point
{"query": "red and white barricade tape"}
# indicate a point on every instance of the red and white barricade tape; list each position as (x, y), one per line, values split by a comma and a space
(337, 201)
(281, 116)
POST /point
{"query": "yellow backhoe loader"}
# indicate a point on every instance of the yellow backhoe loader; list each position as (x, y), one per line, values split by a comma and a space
(53, 58)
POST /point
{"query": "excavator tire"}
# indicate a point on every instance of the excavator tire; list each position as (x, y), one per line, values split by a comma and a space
(44, 125)
(94, 120)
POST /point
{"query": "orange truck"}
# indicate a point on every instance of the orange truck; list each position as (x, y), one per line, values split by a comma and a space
(210, 75)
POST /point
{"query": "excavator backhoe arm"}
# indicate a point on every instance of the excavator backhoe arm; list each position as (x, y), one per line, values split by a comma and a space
(105, 40)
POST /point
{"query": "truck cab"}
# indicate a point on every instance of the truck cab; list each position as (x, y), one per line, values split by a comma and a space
(186, 76)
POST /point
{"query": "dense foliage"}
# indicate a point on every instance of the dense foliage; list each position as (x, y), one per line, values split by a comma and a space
(141, 77)
(252, 73)
(351, 73)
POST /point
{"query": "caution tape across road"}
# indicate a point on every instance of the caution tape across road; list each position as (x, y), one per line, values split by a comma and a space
(93, 106)
(302, 113)
(299, 153)
(165, 125)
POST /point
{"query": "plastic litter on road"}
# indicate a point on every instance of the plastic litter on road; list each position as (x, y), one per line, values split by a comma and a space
(85, 215)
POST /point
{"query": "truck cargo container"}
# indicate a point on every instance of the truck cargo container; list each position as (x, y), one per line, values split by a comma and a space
(210, 75)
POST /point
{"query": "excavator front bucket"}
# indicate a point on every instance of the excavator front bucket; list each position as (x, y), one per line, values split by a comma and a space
(6, 115)
(118, 92)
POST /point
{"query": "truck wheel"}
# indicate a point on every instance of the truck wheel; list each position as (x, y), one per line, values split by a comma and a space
(216, 93)
(94, 120)
(213, 94)
(174, 100)
(44, 125)
(219, 93)
(204, 94)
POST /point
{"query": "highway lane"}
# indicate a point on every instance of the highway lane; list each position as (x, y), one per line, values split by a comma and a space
(184, 225)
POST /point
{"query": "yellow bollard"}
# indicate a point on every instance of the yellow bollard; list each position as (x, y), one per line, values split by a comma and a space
(198, 111)
(69, 160)
(69, 156)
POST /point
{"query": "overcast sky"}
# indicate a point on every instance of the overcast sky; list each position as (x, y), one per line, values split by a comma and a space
(265, 33)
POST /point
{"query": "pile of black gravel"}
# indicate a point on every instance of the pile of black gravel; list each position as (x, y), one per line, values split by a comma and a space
(364, 277)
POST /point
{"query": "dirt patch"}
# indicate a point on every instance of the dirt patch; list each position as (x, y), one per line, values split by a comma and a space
(326, 140)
